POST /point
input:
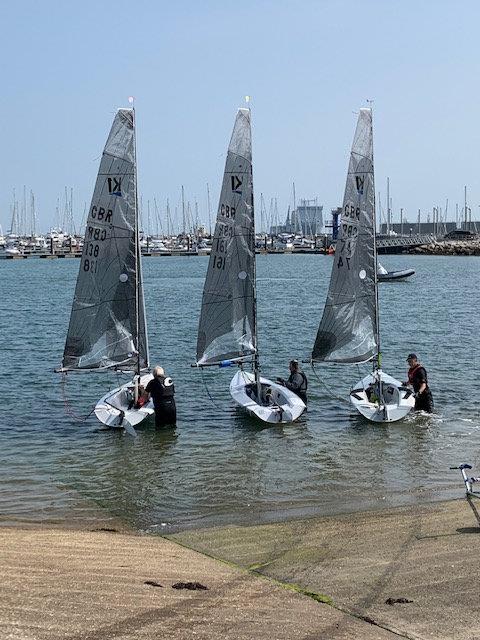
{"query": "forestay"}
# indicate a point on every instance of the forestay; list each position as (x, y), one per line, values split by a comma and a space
(227, 321)
(107, 324)
(347, 331)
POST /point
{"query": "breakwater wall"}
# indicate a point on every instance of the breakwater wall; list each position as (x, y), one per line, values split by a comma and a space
(448, 248)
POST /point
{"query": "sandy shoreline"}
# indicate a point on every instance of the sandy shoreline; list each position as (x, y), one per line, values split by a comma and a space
(328, 577)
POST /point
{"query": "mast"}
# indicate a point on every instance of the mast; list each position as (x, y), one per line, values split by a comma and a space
(24, 212)
(149, 233)
(466, 210)
(209, 212)
(71, 211)
(377, 361)
(32, 214)
(14, 223)
(169, 224)
(183, 211)
(158, 222)
(137, 254)
(263, 215)
(295, 210)
(388, 203)
(256, 359)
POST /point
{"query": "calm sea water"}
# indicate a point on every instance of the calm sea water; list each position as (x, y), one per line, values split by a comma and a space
(217, 465)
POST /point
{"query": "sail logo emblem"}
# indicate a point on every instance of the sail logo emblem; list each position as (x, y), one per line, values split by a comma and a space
(236, 182)
(360, 181)
(115, 186)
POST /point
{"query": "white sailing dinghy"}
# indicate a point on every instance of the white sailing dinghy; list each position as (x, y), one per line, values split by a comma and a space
(227, 332)
(349, 330)
(107, 329)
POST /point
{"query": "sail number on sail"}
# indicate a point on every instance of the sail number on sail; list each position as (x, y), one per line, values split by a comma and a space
(225, 230)
(349, 235)
(227, 211)
(95, 236)
(220, 245)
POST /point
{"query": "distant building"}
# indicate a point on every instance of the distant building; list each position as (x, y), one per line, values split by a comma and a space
(306, 220)
(460, 234)
(473, 226)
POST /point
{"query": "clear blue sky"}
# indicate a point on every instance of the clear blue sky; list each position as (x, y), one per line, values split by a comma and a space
(308, 66)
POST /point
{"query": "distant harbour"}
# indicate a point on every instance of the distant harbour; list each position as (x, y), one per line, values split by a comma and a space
(416, 244)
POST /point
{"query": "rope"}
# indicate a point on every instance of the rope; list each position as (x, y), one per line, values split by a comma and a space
(361, 375)
(68, 409)
(328, 390)
(215, 404)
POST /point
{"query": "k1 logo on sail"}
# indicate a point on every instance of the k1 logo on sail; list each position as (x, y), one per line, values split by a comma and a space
(115, 186)
(236, 183)
(360, 181)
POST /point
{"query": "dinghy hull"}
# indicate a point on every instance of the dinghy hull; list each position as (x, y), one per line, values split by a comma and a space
(390, 276)
(397, 402)
(284, 406)
(115, 408)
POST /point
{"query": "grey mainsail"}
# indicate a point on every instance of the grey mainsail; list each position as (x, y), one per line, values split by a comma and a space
(107, 324)
(348, 329)
(227, 321)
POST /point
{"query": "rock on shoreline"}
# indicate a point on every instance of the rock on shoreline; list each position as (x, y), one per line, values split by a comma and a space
(449, 248)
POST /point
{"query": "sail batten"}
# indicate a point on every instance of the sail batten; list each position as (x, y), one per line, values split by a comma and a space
(106, 328)
(347, 331)
(227, 320)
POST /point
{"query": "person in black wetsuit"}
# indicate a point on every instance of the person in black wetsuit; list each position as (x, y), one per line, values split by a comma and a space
(162, 391)
(417, 377)
(297, 381)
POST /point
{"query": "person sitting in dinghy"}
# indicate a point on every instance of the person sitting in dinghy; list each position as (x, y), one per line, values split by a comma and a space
(142, 398)
(372, 393)
(297, 381)
(162, 390)
(417, 378)
(269, 400)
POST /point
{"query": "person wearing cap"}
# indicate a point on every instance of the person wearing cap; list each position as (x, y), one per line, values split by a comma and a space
(297, 381)
(162, 391)
(417, 377)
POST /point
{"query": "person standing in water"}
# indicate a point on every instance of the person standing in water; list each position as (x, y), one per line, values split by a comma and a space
(417, 377)
(162, 391)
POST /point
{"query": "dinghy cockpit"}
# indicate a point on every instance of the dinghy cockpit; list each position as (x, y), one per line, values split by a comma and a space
(381, 398)
(276, 403)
